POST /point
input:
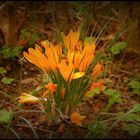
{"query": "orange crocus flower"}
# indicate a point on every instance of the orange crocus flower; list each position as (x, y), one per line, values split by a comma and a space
(67, 71)
(70, 40)
(97, 85)
(36, 57)
(89, 47)
(27, 98)
(77, 118)
(97, 70)
(46, 61)
(53, 54)
(80, 60)
(51, 86)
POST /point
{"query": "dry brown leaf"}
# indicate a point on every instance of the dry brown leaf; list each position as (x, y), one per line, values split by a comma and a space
(42, 119)
(61, 129)
(29, 80)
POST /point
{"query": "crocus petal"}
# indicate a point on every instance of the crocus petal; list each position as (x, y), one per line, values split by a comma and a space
(66, 70)
(96, 70)
(51, 86)
(27, 98)
(98, 84)
(78, 75)
(63, 93)
(35, 55)
(71, 39)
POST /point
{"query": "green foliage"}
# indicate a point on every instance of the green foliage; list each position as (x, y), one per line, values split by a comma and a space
(108, 81)
(5, 116)
(7, 80)
(33, 39)
(30, 37)
(80, 8)
(118, 47)
(135, 85)
(24, 34)
(129, 117)
(8, 52)
(115, 95)
(136, 108)
(95, 91)
(2, 70)
(130, 120)
(132, 129)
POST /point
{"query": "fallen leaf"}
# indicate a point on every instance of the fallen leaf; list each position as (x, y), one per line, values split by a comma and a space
(41, 119)
(29, 80)
(61, 129)
(77, 118)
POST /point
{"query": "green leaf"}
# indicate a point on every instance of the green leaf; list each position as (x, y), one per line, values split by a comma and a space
(136, 91)
(7, 80)
(33, 39)
(16, 51)
(119, 114)
(6, 52)
(115, 95)
(2, 70)
(107, 81)
(24, 34)
(131, 128)
(11, 52)
(118, 47)
(131, 117)
(110, 91)
(136, 108)
(5, 116)
(95, 91)
(115, 98)
(134, 84)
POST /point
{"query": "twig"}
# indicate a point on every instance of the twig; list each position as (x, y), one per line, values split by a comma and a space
(30, 125)
(5, 5)
(107, 113)
(111, 119)
(62, 116)
(39, 12)
(27, 111)
(102, 6)
(117, 122)
(12, 130)
(2, 103)
(41, 129)
(136, 123)
(114, 75)
(108, 18)
(125, 72)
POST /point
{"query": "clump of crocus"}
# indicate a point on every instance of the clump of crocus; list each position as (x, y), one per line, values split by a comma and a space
(72, 68)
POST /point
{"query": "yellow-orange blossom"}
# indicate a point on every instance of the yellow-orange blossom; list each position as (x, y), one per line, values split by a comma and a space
(52, 58)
